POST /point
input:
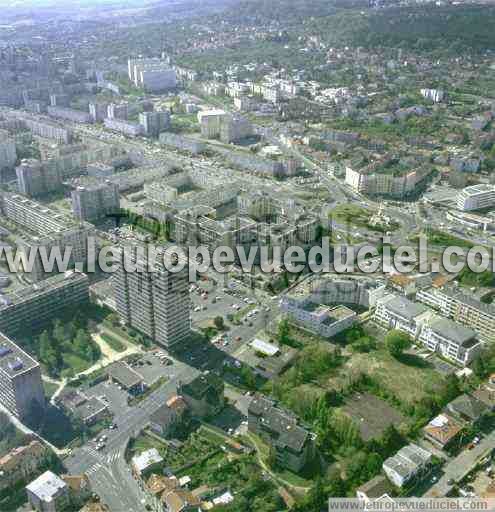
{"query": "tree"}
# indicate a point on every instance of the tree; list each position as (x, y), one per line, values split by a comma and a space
(283, 332)
(219, 323)
(272, 457)
(396, 342)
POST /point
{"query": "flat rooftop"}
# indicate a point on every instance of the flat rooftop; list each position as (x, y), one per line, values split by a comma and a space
(13, 360)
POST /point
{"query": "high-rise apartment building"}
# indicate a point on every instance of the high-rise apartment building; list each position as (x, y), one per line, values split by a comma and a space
(95, 202)
(151, 299)
(35, 179)
(21, 388)
(154, 123)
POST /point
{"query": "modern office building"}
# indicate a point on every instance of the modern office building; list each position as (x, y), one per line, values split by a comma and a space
(95, 202)
(21, 388)
(34, 307)
(151, 299)
(476, 197)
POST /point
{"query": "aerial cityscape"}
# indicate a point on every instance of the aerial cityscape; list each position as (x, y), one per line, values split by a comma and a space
(247, 255)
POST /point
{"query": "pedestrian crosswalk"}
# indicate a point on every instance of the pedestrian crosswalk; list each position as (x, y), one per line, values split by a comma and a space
(112, 457)
(103, 460)
(94, 469)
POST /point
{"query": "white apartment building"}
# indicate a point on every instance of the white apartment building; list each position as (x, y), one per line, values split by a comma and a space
(462, 308)
(48, 493)
(406, 464)
(476, 197)
(211, 122)
(324, 320)
(435, 95)
(451, 340)
(397, 312)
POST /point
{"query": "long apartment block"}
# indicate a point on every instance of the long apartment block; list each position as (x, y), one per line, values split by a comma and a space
(36, 306)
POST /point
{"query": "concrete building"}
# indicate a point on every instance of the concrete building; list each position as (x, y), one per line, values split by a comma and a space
(293, 444)
(52, 229)
(153, 300)
(182, 143)
(435, 95)
(327, 321)
(124, 127)
(48, 493)
(235, 128)
(462, 308)
(59, 100)
(388, 177)
(154, 123)
(408, 463)
(98, 112)
(118, 111)
(41, 126)
(100, 170)
(34, 307)
(476, 197)
(69, 114)
(8, 153)
(21, 388)
(95, 202)
(35, 179)
(397, 312)
(152, 74)
(210, 122)
(451, 340)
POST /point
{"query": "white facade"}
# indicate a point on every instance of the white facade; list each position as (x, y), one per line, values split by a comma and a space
(476, 197)
(451, 340)
(48, 493)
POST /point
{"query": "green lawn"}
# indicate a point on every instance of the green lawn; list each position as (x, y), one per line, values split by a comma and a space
(49, 388)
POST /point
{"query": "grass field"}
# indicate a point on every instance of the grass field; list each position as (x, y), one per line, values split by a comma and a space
(113, 342)
(410, 379)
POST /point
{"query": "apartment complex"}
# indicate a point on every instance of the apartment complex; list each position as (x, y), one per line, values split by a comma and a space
(34, 307)
(21, 388)
(397, 312)
(388, 177)
(69, 114)
(40, 226)
(40, 126)
(293, 444)
(182, 143)
(95, 202)
(476, 197)
(218, 124)
(152, 74)
(462, 308)
(451, 340)
(151, 299)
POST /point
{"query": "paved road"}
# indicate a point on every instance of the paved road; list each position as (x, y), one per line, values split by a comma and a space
(456, 469)
(107, 470)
